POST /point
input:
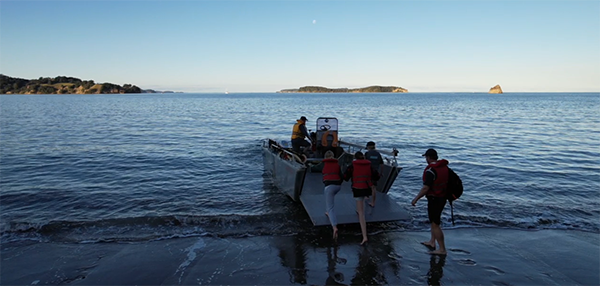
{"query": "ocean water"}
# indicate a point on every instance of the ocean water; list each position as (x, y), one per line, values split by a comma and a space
(101, 168)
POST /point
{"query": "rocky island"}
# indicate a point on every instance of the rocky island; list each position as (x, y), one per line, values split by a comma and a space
(496, 89)
(60, 85)
(320, 89)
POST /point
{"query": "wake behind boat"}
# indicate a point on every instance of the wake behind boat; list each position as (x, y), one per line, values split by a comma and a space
(300, 178)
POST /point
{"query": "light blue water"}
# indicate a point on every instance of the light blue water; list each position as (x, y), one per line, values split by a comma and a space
(137, 167)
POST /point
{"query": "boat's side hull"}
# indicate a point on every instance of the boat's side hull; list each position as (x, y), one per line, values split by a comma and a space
(287, 176)
(388, 176)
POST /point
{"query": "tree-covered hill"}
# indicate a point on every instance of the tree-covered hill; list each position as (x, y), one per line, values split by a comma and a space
(60, 85)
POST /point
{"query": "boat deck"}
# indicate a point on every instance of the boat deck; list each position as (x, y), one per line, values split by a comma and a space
(345, 205)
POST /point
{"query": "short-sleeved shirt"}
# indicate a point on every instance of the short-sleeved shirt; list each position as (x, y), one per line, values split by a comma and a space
(375, 157)
(429, 178)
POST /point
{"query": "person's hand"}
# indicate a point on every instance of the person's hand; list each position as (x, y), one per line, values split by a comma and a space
(414, 202)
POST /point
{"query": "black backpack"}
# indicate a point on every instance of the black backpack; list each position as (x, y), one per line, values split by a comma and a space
(454, 189)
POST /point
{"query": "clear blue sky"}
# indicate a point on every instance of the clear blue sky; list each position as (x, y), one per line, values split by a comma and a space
(265, 46)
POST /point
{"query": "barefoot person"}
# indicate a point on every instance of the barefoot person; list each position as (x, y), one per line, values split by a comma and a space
(332, 178)
(361, 174)
(435, 179)
(377, 163)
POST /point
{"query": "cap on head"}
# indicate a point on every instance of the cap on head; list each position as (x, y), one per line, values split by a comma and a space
(370, 144)
(303, 119)
(431, 153)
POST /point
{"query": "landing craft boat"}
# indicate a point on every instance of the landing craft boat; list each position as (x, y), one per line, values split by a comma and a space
(301, 179)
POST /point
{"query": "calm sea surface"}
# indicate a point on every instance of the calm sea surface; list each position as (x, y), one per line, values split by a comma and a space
(88, 168)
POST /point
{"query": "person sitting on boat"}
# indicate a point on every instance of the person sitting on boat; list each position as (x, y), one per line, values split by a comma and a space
(332, 178)
(299, 133)
(362, 174)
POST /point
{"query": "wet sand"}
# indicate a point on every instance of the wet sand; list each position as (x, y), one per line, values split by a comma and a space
(476, 257)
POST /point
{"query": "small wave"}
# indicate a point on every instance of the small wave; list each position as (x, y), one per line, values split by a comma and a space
(284, 224)
(152, 228)
(149, 228)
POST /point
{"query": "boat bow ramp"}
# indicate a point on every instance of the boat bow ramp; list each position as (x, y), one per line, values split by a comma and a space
(313, 199)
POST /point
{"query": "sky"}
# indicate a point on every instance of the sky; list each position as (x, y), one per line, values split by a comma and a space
(266, 46)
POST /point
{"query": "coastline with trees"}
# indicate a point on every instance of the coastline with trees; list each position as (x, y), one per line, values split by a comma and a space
(61, 85)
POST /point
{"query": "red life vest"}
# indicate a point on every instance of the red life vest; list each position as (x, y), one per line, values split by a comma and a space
(331, 170)
(441, 178)
(361, 176)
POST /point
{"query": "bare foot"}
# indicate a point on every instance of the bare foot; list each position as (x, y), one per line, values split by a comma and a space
(438, 252)
(428, 244)
(364, 241)
(335, 234)
(370, 202)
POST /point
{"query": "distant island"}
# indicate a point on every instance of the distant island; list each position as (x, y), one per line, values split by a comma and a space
(62, 85)
(159, 91)
(496, 89)
(320, 89)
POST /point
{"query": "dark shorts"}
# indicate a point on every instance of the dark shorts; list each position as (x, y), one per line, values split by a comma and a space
(435, 206)
(361, 193)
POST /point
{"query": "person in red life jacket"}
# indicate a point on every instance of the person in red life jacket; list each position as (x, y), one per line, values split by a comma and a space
(435, 180)
(362, 174)
(332, 178)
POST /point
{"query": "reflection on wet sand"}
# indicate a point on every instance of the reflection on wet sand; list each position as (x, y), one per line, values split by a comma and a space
(436, 269)
(334, 277)
(346, 261)
(293, 256)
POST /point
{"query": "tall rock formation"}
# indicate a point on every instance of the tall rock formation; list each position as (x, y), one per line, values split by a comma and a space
(496, 89)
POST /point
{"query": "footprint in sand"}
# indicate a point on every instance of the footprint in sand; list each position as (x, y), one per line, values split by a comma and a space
(459, 251)
(394, 256)
(467, 262)
(494, 269)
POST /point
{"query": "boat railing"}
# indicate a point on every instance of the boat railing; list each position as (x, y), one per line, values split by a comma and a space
(352, 148)
(282, 152)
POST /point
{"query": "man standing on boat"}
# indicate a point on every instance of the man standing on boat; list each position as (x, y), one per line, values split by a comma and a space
(299, 133)
(435, 181)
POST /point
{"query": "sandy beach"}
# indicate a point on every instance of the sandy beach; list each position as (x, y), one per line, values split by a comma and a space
(476, 257)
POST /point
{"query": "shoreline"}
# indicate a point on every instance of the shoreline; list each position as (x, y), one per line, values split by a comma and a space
(476, 256)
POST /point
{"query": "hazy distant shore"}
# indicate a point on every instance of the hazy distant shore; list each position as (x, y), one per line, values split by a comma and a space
(320, 89)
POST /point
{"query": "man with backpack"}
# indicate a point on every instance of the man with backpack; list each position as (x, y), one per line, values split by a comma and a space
(435, 183)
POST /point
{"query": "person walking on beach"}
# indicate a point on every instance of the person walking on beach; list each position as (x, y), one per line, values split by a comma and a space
(332, 178)
(435, 180)
(299, 133)
(361, 172)
(377, 163)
